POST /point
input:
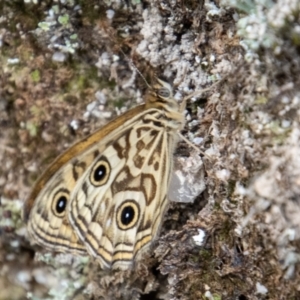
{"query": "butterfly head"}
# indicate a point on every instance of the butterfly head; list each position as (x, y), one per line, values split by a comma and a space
(161, 96)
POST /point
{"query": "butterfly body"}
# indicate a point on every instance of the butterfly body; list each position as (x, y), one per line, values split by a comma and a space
(106, 195)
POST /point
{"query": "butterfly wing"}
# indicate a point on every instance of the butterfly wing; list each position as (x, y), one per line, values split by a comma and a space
(117, 205)
(107, 193)
(48, 224)
(45, 208)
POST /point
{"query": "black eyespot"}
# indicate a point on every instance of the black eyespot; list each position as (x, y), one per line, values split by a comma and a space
(60, 201)
(61, 204)
(128, 214)
(100, 172)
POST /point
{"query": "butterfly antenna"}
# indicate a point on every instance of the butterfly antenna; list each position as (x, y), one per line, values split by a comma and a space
(198, 93)
(135, 68)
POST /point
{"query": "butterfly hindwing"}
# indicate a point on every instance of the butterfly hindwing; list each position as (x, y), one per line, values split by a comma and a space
(49, 224)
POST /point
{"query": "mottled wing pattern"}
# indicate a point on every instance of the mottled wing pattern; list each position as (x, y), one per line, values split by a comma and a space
(106, 194)
(49, 225)
(117, 206)
(45, 208)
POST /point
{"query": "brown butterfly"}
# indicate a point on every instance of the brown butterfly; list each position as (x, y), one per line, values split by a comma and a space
(106, 194)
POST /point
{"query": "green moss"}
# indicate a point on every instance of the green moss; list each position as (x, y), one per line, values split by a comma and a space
(15, 208)
(280, 134)
(93, 10)
(231, 188)
(64, 19)
(86, 77)
(45, 26)
(295, 37)
(32, 128)
(225, 231)
(36, 110)
(119, 103)
(73, 36)
(205, 254)
(261, 100)
(35, 76)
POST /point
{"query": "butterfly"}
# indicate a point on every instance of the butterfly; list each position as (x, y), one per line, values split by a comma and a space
(107, 194)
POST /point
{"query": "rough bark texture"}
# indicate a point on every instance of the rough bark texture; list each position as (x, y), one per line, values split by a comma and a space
(67, 68)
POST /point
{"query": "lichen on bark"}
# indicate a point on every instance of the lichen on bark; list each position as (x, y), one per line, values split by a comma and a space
(69, 66)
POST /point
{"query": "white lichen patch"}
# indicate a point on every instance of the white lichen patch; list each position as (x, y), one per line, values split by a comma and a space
(261, 289)
(64, 276)
(187, 180)
(159, 48)
(199, 238)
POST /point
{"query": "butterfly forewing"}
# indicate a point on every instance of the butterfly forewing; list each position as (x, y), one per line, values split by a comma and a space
(118, 216)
